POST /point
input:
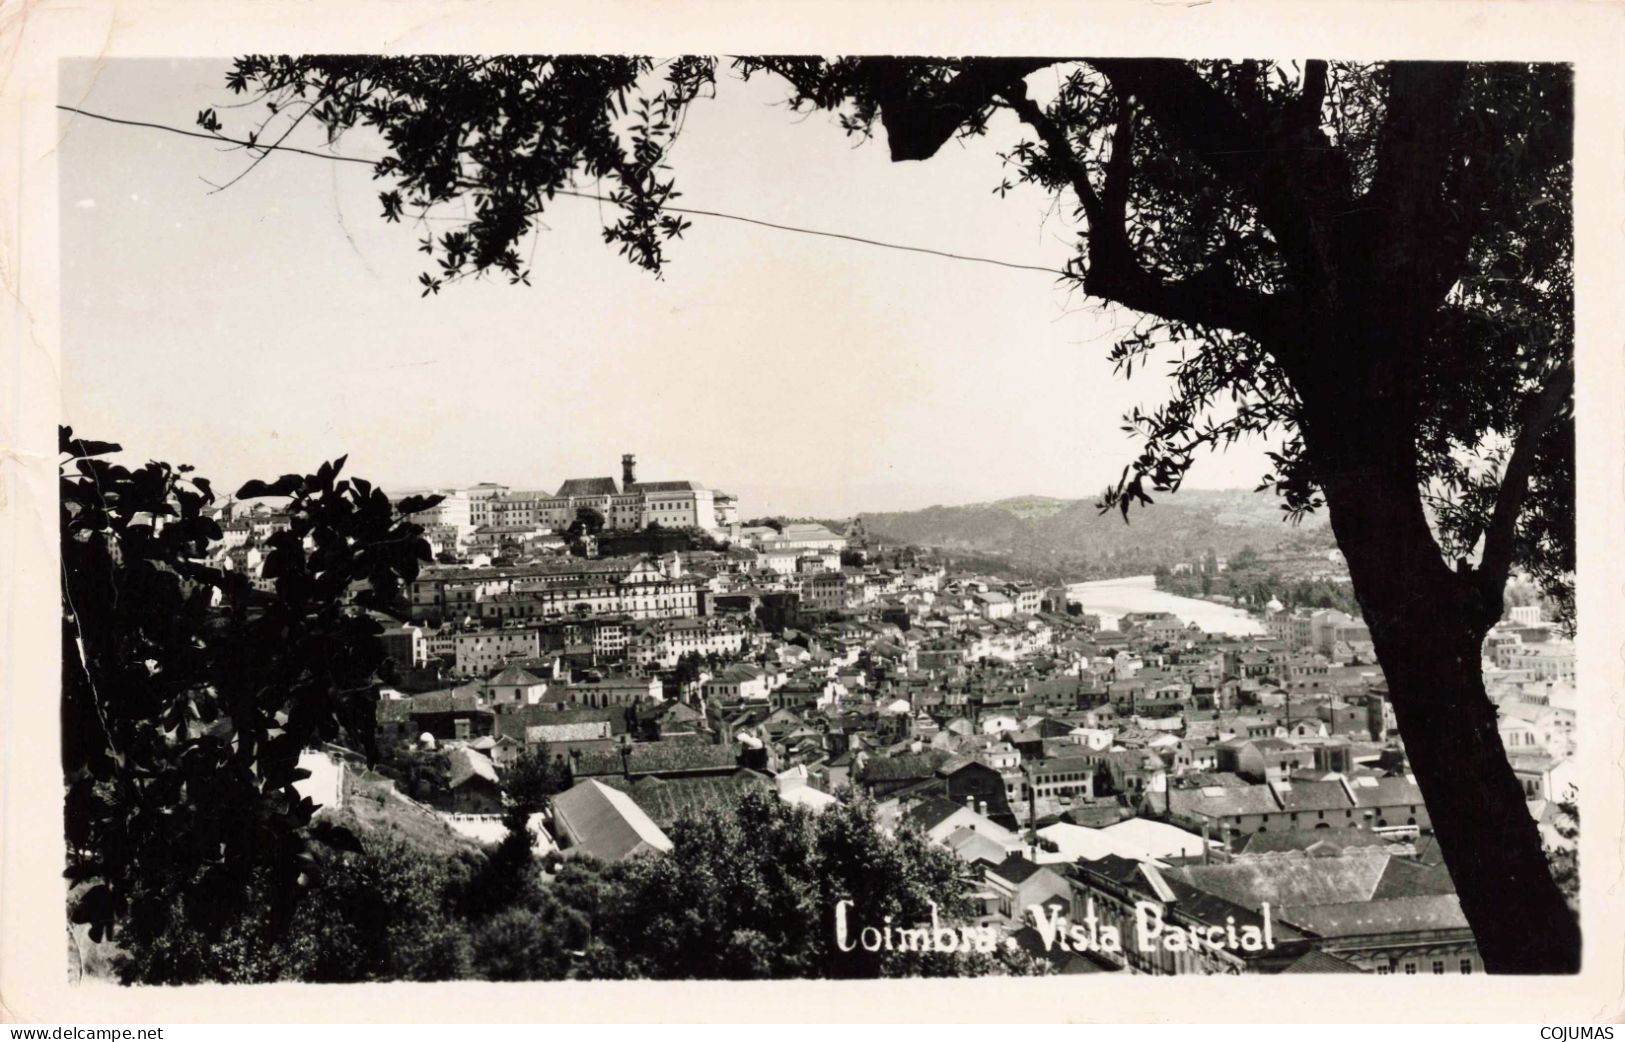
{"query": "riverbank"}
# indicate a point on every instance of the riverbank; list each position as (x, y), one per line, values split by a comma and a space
(1113, 598)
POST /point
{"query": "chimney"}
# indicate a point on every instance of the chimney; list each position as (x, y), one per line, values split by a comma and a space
(629, 465)
(981, 807)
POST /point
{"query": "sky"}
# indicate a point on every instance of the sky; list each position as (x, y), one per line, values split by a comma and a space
(276, 323)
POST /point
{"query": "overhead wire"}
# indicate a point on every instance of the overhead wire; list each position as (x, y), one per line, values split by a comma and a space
(591, 196)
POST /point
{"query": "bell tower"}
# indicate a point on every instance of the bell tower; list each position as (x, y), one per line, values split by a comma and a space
(629, 465)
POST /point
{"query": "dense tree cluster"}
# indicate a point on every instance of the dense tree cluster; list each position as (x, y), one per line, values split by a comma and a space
(744, 894)
(187, 695)
(1250, 580)
(533, 777)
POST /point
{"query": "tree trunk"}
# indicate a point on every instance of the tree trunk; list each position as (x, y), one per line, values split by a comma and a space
(1490, 843)
(1428, 625)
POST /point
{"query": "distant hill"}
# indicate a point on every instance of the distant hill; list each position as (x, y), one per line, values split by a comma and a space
(1056, 539)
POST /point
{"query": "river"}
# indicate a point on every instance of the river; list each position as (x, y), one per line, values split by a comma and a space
(1111, 598)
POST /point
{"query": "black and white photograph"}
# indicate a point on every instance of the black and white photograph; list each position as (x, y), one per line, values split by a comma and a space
(616, 516)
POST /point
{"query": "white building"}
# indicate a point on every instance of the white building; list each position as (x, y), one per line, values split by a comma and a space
(804, 536)
(482, 651)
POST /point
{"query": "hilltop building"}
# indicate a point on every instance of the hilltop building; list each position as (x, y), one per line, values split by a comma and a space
(630, 505)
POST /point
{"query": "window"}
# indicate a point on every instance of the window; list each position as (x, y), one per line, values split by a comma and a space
(1410, 967)
(1467, 966)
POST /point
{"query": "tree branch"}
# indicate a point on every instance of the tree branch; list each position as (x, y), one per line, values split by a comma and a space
(1210, 297)
(1119, 165)
(1192, 112)
(1404, 202)
(1280, 166)
(1500, 535)
(1307, 116)
(1195, 115)
(918, 125)
(1059, 150)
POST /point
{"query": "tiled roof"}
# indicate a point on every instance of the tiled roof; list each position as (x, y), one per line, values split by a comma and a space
(516, 675)
(455, 700)
(467, 765)
(1427, 851)
(1068, 764)
(1254, 799)
(1400, 915)
(575, 732)
(1302, 839)
(930, 813)
(807, 530)
(588, 487)
(606, 823)
(1389, 792)
(667, 799)
(657, 757)
(907, 766)
(665, 486)
(674, 713)
(969, 844)
(1313, 795)
(1189, 900)
(1316, 961)
(1352, 876)
(1016, 869)
(1407, 878)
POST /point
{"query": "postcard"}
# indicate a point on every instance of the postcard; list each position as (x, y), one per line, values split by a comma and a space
(1069, 511)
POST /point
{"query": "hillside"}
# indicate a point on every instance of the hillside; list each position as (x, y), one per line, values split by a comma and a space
(1053, 539)
(373, 807)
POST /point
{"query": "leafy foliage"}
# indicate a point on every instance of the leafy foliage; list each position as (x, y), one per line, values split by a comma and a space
(423, 774)
(533, 777)
(1565, 856)
(587, 522)
(506, 133)
(1216, 224)
(385, 913)
(753, 893)
(508, 869)
(187, 696)
(1251, 580)
(746, 893)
